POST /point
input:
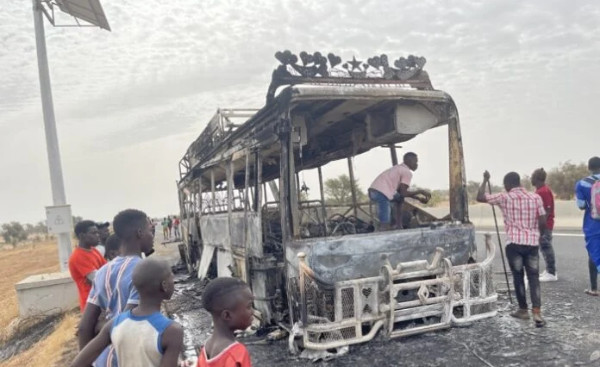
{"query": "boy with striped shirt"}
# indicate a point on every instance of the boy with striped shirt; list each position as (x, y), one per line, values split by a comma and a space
(113, 291)
(141, 337)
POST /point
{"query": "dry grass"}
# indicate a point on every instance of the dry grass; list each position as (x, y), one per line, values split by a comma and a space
(50, 351)
(17, 264)
(58, 348)
(25, 260)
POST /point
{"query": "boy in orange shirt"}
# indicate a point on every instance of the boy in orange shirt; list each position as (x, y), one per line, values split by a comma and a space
(85, 259)
(229, 301)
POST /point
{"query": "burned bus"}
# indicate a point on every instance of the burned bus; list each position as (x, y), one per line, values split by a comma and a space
(324, 270)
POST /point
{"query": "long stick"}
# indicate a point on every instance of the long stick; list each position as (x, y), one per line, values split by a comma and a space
(500, 244)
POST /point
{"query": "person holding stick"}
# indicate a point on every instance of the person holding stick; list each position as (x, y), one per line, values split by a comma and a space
(524, 221)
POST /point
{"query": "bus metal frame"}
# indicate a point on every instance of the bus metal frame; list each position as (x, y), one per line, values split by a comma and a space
(244, 215)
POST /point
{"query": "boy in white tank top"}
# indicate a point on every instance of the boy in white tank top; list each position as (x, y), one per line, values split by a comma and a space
(142, 337)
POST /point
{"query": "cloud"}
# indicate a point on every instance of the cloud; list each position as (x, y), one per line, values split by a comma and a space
(522, 74)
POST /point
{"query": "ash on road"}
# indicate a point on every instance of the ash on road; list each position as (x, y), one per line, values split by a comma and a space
(571, 337)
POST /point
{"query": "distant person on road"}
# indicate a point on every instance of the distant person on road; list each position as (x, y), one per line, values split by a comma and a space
(229, 301)
(165, 227)
(392, 187)
(104, 232)
(85, 259)
(524, 220)
(141, 337)
(176, 224)
(113, 247)
(538, 179)
(170, 225)
(113, 291)
(587, 194)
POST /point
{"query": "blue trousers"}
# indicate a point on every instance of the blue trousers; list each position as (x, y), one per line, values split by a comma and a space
(383, 205)
(593, 247)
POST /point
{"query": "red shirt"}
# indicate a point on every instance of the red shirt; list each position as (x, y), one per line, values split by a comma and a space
(548, 199)
(235, 355)
(81, 263)
(521, 210)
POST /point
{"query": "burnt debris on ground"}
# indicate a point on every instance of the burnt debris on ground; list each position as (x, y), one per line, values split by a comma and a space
(569, 339)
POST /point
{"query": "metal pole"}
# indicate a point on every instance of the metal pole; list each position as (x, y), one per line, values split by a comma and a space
(352, 187)
(394, 155)
(56, 178)
(246, 209)
(323, 208)
(212, 190)
(258, 182)
(500, 244)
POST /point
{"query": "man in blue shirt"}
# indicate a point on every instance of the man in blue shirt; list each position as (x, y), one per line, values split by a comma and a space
(113, 291)
(591, 226)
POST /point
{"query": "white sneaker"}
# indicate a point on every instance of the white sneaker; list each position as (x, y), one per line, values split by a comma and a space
(547, 277)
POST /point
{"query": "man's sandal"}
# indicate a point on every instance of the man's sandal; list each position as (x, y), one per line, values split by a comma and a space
(590, 292)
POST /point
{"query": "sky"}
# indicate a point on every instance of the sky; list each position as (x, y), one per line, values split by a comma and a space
(128, 103)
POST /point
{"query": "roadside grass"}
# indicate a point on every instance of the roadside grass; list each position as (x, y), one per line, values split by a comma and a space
(54, 350)
(60, 346)
(16, 265)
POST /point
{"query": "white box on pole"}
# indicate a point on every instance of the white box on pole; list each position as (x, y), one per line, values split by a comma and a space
(59, 219)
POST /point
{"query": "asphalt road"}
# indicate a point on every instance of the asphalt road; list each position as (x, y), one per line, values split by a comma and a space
(571, 337)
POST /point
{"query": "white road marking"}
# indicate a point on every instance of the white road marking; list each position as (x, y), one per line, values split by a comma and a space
(553, 234)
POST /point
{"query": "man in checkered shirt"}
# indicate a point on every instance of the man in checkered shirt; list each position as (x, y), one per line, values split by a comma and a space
(524, 220)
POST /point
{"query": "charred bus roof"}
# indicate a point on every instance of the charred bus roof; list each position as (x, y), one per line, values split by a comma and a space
(338, 110)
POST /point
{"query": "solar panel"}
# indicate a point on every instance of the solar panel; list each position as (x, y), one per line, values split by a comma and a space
(87, 10)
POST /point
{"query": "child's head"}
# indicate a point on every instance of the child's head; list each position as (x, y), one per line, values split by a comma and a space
(229, 300)
(153, 279)
(113, 246)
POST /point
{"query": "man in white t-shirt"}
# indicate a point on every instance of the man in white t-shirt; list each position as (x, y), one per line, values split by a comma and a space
(392, 185)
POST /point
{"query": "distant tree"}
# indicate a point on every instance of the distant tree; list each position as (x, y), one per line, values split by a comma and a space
(41, 229)
(29, 229)
(338, 191)
(562, 179)
(77, 219)
(13, 233)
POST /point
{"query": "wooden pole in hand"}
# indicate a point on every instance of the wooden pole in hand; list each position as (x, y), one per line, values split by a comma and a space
(500, 244)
